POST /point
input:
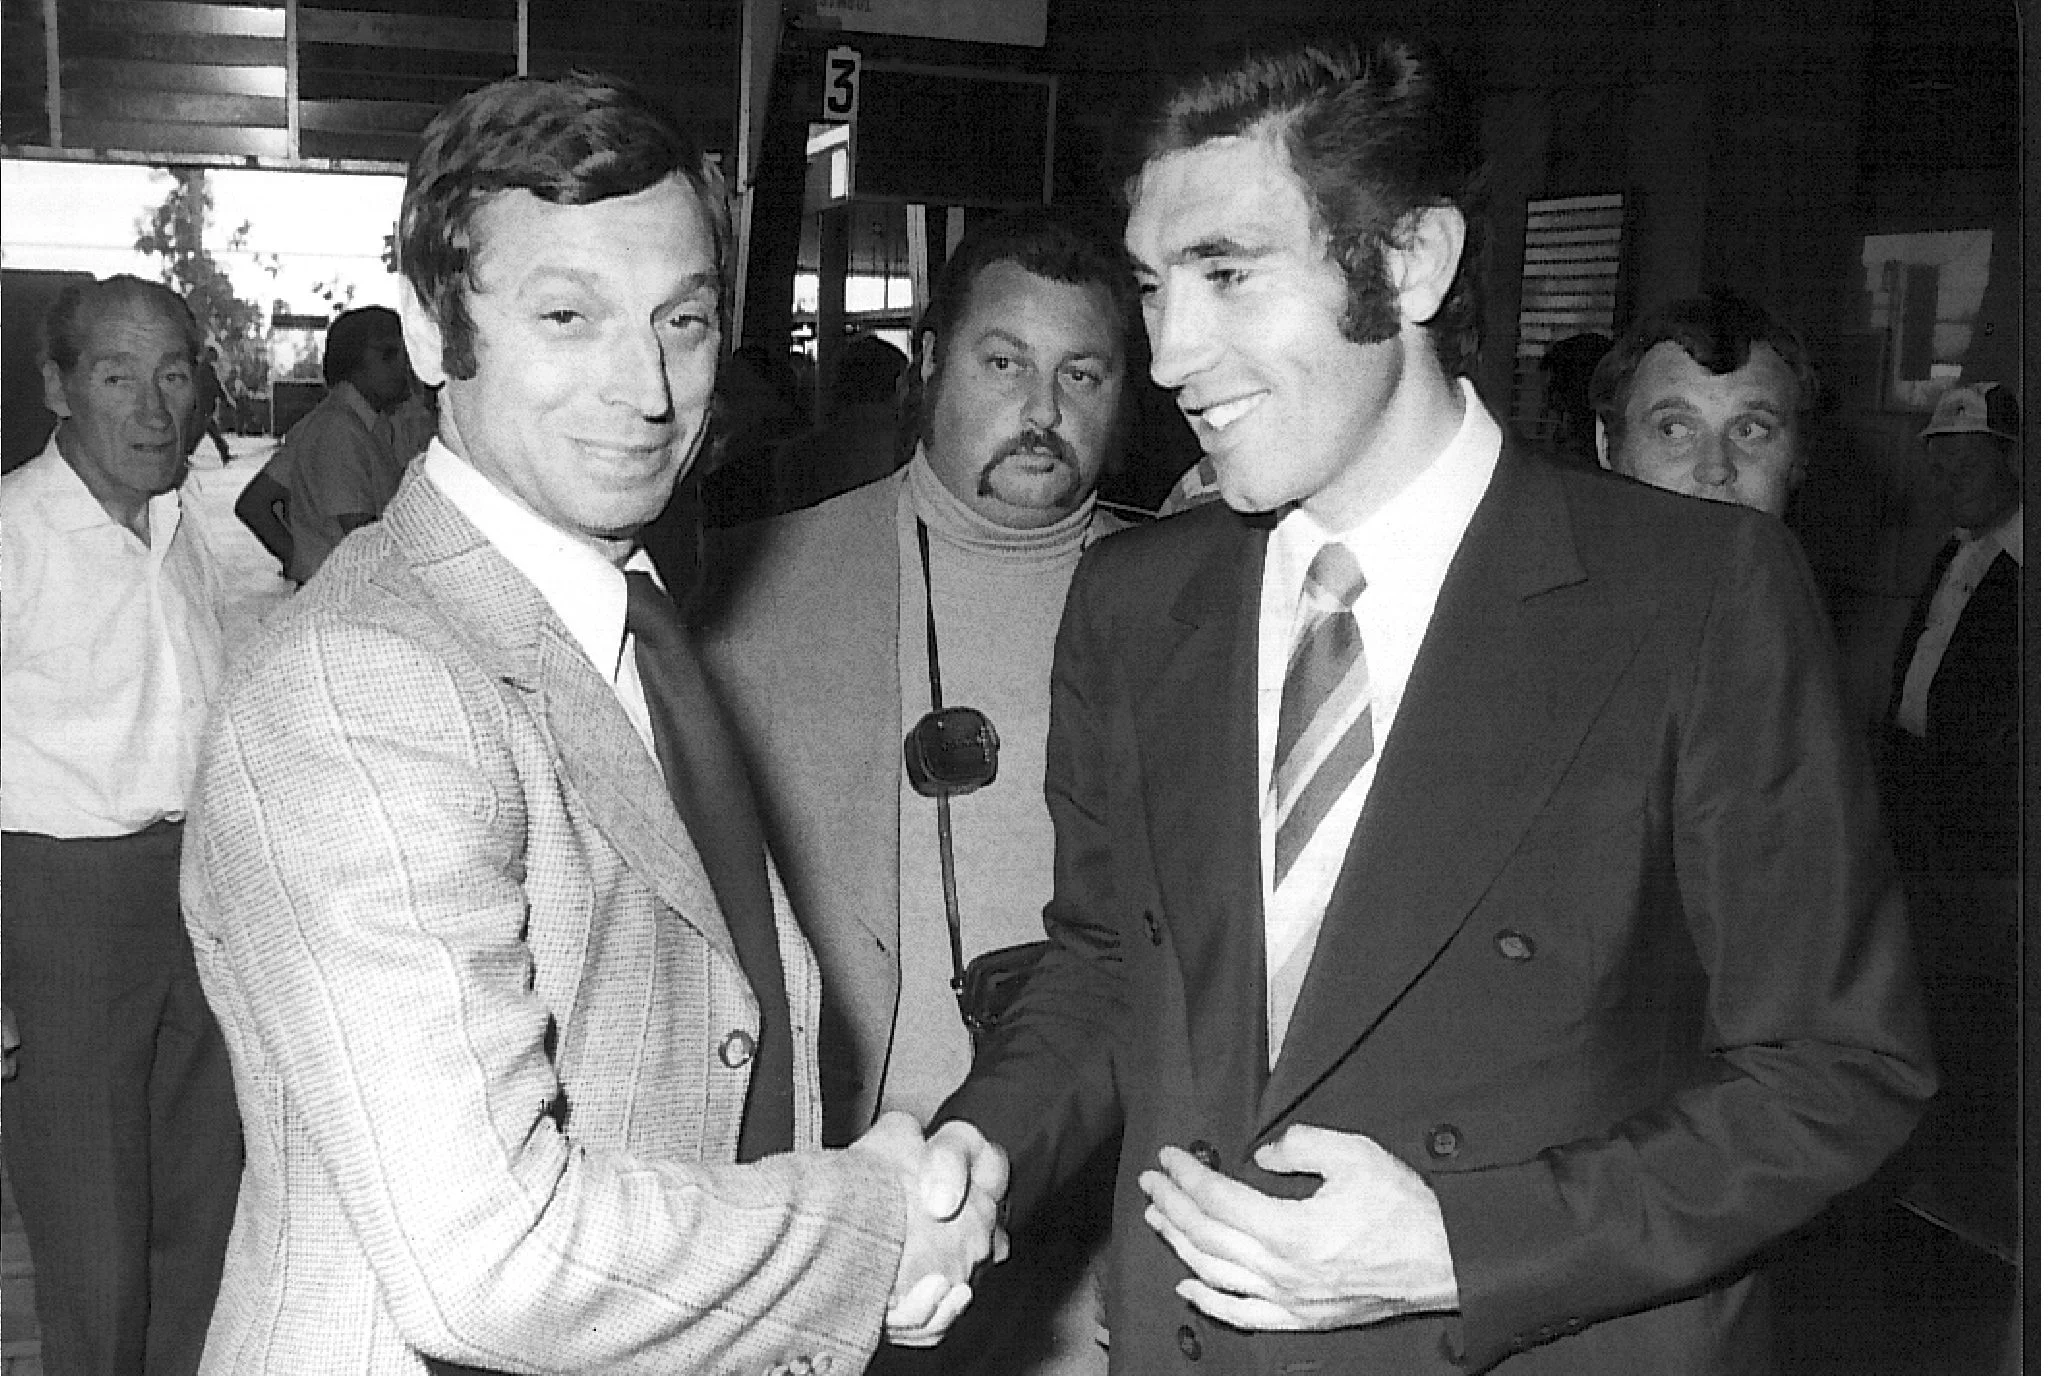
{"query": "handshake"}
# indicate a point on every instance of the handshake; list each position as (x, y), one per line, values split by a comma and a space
(953, 1188)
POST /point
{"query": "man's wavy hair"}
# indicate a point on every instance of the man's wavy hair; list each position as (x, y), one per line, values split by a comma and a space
(1376, 135)
(1717, 331)
(1044, 245)
(72, 316)
(571, 140)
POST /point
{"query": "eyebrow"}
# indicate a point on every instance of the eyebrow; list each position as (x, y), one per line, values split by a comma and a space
(998, 334)
(1680, 401)
(691, 284)
(1218, 246)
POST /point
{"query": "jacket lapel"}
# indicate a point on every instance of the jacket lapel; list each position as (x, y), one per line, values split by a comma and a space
(598, 756)
(1511, 675)
(1199, 745)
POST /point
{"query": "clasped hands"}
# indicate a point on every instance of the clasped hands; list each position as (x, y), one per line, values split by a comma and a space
(1368, 1245)
(953, 1186)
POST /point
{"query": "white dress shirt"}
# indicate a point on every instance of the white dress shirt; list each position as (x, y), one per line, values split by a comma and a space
(1403, 550)
(583, 588)
(1974, 558)
(110, 651)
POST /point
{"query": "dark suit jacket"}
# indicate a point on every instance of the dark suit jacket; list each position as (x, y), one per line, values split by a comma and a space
(1616, 959)
(1958, 802)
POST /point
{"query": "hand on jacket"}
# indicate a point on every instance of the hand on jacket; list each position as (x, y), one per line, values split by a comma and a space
(1368, 1245)
(953, 1191)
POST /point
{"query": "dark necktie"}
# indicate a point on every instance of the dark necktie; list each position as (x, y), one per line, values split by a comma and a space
(709, 785)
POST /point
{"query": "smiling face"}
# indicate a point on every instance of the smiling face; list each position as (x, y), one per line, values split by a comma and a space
(1729, 437)
(1244, 309)
(126, 405)
(597, 344)
(1024, 402)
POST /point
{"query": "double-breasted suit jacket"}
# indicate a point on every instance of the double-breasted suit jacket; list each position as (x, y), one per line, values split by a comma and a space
(490, 1036)
(1615, 959)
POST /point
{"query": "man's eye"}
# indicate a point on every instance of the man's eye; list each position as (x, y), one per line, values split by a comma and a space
(1082, 377)
(1754, 431)
(1220, 275)
(1674, 429)
(561, 316)
(689, 322)
(1003, 363)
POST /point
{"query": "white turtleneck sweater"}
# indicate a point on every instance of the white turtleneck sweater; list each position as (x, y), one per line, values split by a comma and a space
(999, 594)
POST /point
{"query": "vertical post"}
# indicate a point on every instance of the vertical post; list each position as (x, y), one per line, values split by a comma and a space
(521, 36)
(291, 78)
(760, 37)
(834, 233)
(920, 258)
(53, 75)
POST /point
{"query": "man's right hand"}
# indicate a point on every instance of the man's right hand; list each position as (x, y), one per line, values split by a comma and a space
(953, 1190)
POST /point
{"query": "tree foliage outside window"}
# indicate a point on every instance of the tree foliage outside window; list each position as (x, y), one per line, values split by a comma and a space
(176, 232)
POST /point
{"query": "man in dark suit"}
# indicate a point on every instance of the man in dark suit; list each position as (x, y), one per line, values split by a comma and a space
(1952, 765)
(1470, 901)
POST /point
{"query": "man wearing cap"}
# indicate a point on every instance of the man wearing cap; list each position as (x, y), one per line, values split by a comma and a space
(1955, 686)
(1952, 769)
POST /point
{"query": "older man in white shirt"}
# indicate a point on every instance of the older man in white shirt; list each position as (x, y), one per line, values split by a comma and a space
(122, 1137)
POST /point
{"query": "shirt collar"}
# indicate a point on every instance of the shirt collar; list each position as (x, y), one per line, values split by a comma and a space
(947, 514)
(1420, 528)
(70, 507)
(356, 402)
(2009, 535)
(582, 587)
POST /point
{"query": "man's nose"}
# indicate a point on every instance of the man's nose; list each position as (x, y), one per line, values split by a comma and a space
(1714, 465)
(1042, 401)
(636, 374)
(1182, 341)
(159, 410)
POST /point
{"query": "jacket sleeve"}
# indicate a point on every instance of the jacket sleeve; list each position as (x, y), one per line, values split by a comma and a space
(358, 892)
(1815, 1041)
(1045, 1089)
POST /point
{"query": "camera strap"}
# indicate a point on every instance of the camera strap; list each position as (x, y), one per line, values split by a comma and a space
(947, 879)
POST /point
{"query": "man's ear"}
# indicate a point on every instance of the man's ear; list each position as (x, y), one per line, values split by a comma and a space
(927, 355)
(53, 391)
(1424, 264)
(1600, 442)
(422, 336)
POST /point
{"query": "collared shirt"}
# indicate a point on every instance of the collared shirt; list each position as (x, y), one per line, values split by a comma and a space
(110, 651)
(583, 588)
(1403, 550)
(1973, 559)
(340, 464)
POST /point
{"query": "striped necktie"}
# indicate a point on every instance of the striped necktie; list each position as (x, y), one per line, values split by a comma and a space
(1325, 734)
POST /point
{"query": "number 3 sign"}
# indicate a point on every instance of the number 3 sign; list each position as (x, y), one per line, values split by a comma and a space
(842, 85)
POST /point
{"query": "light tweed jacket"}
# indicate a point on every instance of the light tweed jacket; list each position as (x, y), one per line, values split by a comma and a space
(490, 1036)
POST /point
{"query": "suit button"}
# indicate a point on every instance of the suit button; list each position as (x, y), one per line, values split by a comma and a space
(1203, 1152)
(1152, 932)
(1444, 1142)
(1514, 945)
(1190, 1343)
(737, 1049)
